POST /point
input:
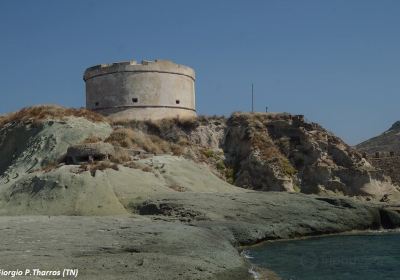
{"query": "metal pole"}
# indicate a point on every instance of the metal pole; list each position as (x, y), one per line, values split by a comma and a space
(252, 98)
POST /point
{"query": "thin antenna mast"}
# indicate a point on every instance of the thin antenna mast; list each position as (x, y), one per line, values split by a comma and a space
(252, 98)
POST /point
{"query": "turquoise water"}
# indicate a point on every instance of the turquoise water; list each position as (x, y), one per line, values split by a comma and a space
(352, 257)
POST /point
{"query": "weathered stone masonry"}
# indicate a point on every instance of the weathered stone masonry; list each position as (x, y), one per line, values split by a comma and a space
(149, 90)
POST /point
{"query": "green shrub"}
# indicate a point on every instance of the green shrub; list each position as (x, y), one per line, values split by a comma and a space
(209, 153)
(287, 167)
(230, 175)
(221, 165)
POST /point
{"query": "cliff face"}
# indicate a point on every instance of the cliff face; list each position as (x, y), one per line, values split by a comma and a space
(383, 152)
(283, 152)
(390, 166)
(274, 152)
(258, 162)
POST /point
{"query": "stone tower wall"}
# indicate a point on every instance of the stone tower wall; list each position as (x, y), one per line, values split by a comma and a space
(150, 90)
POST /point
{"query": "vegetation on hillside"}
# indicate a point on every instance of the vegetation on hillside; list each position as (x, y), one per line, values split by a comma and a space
(43, 112)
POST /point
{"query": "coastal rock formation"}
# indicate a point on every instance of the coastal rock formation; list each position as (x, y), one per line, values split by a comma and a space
(390, 166)
(186, 235)
(40, 136)
(284, 152)
(259, 151)
(383, 152)
(261, 216)
(121, 247)
(155, 199)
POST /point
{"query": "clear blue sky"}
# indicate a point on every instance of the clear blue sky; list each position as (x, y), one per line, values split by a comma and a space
(335, 61)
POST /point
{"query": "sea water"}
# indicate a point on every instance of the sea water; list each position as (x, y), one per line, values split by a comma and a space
(340, 257)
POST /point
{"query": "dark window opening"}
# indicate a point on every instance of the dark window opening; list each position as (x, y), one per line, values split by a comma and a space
(96, 104)
(177, 101)
(134, 100)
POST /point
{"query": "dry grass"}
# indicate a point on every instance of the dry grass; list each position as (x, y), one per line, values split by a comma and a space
(159, 125)
(170, 130)
(260, 117)
(128, 138)
(174, 130)
(270, 152)
(48, 167)
(135, 165)
(101, 165)
(182, 124)
(40, 113)
(147, 169)
(160, 136)
(92, 139)
(120, 155)
(260, 139)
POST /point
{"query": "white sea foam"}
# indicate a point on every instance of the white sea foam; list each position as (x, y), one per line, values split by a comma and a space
(254, 273)
(246, 254)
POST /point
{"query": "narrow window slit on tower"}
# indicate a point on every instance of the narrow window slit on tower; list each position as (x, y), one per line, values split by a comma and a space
(177, 101)
(134, 100)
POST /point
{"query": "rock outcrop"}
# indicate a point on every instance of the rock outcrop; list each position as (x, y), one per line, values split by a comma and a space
(273, 152)
(31, 145)
(284, 152)
(387, 142)
(89, 152)
(390, 166)
(260, 151)
(181, 235)
(383, 152)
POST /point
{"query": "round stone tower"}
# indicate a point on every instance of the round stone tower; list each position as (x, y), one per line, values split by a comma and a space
(149, 90)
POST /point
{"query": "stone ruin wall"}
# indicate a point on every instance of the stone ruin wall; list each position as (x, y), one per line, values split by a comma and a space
(388, 162)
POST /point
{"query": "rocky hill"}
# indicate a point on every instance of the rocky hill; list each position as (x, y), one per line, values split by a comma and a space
(48, 153)
(167, 191)
(272, 152)
(388, 141)
(383, 152)
(282, 152)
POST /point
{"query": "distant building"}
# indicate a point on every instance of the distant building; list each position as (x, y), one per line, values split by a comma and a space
(148, 90)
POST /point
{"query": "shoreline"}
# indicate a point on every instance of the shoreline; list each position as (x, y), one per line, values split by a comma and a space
(351, 232)
(186, 235)
(262, 273)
